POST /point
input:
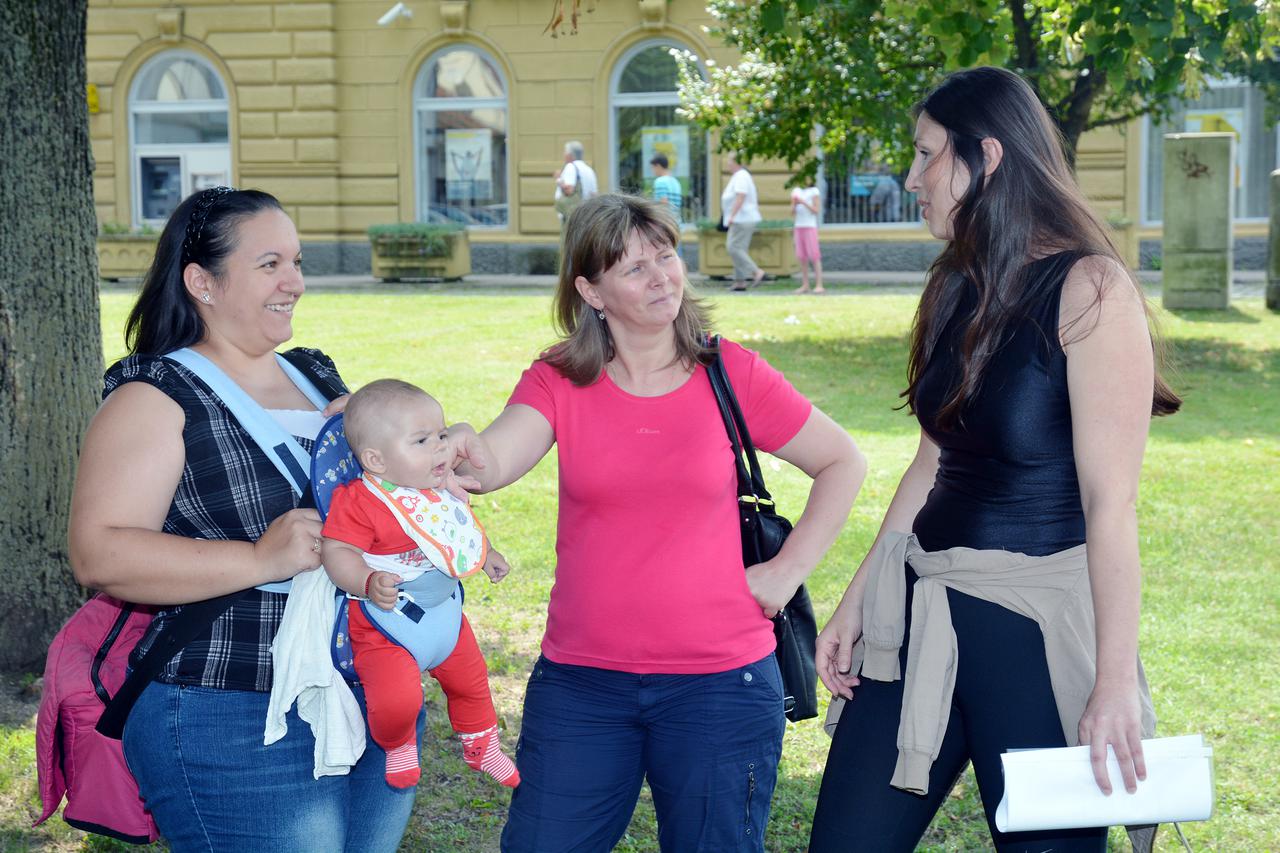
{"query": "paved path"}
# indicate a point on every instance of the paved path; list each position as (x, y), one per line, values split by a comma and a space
(1246, 283)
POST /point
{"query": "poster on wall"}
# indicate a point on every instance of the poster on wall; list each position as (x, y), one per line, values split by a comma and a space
(671, 140)
(468, 154)
(1220, 120)
(208, 180)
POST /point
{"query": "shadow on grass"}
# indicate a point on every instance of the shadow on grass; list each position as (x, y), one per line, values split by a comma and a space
(1231, 314)
(1228, 388)
(854, 380)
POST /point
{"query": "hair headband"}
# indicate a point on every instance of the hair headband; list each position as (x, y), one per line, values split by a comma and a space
(204, 203)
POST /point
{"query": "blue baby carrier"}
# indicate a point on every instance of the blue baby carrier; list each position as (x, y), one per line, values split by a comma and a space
(428, 614)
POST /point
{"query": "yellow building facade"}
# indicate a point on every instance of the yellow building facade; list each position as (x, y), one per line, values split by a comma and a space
(362, 112)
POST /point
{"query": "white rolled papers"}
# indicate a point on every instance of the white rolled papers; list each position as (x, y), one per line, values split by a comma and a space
(1055, 789)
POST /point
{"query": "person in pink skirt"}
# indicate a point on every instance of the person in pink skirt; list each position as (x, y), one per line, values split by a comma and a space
(806, 202)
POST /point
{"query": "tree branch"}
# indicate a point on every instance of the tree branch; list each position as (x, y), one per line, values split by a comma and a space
(1022, 39)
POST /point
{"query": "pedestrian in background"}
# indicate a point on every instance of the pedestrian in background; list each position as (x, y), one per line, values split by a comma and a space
(741, 207)
(575, 180)
(806, 205)
(666, 187)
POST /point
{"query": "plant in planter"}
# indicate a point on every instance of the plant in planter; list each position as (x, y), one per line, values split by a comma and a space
(124, 251)
(772, 248)
(420, 250)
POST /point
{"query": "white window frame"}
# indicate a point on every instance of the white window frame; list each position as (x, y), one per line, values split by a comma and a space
(138, 151)
(424, 103)
(648, 99)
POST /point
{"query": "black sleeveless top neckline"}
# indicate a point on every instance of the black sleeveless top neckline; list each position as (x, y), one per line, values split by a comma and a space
(1006, 475)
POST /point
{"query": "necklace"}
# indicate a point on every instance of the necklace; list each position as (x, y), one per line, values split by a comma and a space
(675, 370)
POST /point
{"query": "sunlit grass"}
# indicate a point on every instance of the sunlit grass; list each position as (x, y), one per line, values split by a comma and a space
(1208, 512)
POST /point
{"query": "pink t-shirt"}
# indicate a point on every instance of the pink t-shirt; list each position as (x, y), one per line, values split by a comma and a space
(649, 575)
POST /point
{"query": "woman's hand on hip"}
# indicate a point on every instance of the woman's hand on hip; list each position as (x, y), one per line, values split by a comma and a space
(834, 654)
(772, 585)
(290, 545)
(1114, 717)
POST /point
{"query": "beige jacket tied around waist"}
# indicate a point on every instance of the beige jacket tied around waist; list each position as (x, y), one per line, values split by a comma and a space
(1053, 590)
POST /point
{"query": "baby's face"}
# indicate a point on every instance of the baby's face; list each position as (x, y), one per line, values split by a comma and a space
(415, 448)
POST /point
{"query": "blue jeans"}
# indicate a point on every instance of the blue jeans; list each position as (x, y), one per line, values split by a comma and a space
(708, 744)
(203, 772)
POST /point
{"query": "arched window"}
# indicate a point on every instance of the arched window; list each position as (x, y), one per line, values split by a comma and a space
(643, 122)
(177, 132)
(460, 139)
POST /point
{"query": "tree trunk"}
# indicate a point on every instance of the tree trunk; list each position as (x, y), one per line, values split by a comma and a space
(1073, 114)
(50, 331)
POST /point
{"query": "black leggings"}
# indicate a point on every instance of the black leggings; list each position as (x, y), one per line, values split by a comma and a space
(1003, 700)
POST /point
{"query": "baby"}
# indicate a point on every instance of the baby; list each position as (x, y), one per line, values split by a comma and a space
(399, 509)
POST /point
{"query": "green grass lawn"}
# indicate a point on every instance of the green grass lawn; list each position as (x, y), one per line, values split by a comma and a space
(1209, 505)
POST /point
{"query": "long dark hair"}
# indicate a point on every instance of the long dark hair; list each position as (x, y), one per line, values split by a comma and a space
(595, 237)
(202, 230)
(1030, 202)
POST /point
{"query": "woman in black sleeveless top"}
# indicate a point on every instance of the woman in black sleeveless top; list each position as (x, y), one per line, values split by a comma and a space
(1032, 376)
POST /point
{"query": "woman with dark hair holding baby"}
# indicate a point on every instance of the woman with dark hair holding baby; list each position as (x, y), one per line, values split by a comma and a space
(175, 503)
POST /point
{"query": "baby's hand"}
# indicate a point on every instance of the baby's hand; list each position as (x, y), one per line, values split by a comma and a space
(496, 566)
(382, 590)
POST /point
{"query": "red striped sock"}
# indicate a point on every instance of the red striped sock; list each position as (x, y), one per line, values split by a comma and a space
(402, 766)
(482, 752)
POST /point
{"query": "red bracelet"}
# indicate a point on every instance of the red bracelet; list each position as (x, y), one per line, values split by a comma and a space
(368, 578)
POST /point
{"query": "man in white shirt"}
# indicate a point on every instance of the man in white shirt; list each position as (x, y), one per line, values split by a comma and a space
(741, 210)
(575, 180)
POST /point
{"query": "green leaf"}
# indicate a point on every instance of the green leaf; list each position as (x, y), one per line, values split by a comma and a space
(773, 15)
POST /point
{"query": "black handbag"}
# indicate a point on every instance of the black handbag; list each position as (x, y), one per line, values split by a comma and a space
(720, 226)
(763, 531)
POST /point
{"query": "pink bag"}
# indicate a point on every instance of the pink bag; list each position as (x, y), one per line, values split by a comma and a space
(85, 667)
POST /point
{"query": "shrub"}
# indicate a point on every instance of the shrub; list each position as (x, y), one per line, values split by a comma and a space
(414, 239)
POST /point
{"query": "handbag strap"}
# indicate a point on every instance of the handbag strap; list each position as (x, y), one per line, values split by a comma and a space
(750, 476)
(193, 619)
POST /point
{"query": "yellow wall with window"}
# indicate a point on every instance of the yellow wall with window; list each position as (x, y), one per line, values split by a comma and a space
(322, 109)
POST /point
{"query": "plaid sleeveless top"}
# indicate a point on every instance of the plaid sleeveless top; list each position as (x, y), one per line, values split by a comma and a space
(229, 491)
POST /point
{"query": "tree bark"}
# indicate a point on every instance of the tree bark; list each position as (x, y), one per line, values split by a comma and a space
(1073, 113)
(50, 331)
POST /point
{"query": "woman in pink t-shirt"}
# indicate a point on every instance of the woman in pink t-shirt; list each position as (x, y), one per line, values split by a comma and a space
(657, 660)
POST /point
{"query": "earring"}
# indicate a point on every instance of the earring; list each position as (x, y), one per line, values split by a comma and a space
(205, 299)
(600, 313)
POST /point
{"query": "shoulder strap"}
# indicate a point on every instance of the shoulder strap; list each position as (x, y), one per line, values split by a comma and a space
(285, 453)
(750, 482)
(187, 624)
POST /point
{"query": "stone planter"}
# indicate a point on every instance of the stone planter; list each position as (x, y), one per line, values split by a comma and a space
(773, 249)
(125, 255)
(397, 256)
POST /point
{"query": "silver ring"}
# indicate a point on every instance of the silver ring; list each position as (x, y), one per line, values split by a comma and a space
(316, 546)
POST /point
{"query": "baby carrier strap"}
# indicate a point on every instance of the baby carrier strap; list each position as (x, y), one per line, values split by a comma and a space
(281, 448)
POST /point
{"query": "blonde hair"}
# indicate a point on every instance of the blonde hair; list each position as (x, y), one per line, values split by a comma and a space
(595, 238)
(365, 414)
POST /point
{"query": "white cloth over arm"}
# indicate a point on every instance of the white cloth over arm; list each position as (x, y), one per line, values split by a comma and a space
(304, 672)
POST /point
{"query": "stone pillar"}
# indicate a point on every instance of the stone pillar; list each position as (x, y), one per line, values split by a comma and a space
(1199, 189)
(1273, 246)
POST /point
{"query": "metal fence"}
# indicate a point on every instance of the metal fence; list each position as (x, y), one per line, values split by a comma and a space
(853, 197)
